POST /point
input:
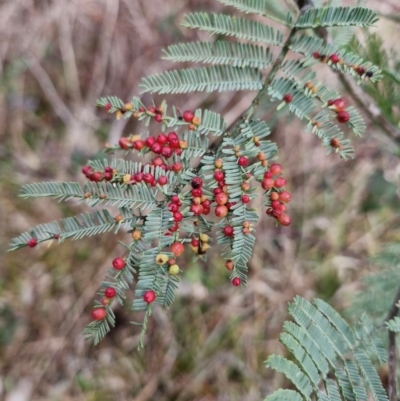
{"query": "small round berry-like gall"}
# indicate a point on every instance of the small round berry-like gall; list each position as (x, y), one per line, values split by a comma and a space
(229, 264)
(343, 117)
(228, 231)
(268, 174)
(267, 183)
(217, 191)
(335, 143)
(221, 199)
(148, 178)
(197, 182)
(274, 196)
(156, 148)
(171, 261)
(288, 98)
(177, 248)
(138, 177)
(162, 139)
(204, 238)
(177, 167)
(243, 161)
(125, 143)
(175, 198)
(219, 176)
(172, 136)
(105, 301)
(188, 116)
(370, 74)
(178, 217)
(158, 161)
(246, 224)
(174, 143)
(276, 213)
(221, 211)
(108, 176)
(173, 207)
(284, 219)
(338, 105)
(195, 242)
(280, 182)
(197, 210)
(152, 109)
(261, 156)
(99, 313)
(275, 169)
(107, 106)
(149, 296)
(218, 163)
(162, 180)
(269, 211)
(246, 231)
(150, 141)
(139, 145)
(183, 144)
(197, 192)
(236, 282)
(245, 198)
(161, 259)
(316, 55)
(128, 106)
(167, 151)
(229, 205)
(32, 242)
(136, 235)
(56, 236)
(285, 197)
(173, 270)
(360, 70)
(206, 203)
(158, 118)
(110, 292)
(276, 204)
(196, 121)
(196, 200)
(245, 186)
(174, 228)
(87, 170)
(118, 263)
(97, 176)
(334, 58)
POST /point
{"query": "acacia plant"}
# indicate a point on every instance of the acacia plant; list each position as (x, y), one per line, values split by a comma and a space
(168, 201)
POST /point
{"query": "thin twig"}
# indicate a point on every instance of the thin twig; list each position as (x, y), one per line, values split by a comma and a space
(392, 382)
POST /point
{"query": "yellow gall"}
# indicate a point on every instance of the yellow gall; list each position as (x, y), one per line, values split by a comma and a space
(192, 127)
(119, 114)
(87, 195)
(183, 144)
(161, 259)
(173, 270)
(136, 235)
(204, 238)
(264, 163)
(261, 156)
(218, 163)
(195, 249)
(205, 247)
(128, 106)
(196, 121)
(127, 178)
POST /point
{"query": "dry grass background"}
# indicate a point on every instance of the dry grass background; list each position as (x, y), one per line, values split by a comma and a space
(56, 58)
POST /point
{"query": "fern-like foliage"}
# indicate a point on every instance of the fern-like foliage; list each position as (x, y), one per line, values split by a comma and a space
(331, 358)
(165, 202)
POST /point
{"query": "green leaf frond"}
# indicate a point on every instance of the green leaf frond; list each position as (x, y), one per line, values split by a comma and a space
(84, 225)
(323, 343)
(285, 395)
(337, 16)
(265, 8)
(208, 79)
(196, 146)
(220, 52)
(138, 195)
(308, 45)
(241, 28)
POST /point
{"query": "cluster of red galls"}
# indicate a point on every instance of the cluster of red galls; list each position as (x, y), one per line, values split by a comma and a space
(274, 183)
(335, 59)
(165, 145)
(339, 107)
(149, 296)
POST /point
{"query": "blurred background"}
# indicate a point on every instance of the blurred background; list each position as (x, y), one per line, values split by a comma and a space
(56, 58)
